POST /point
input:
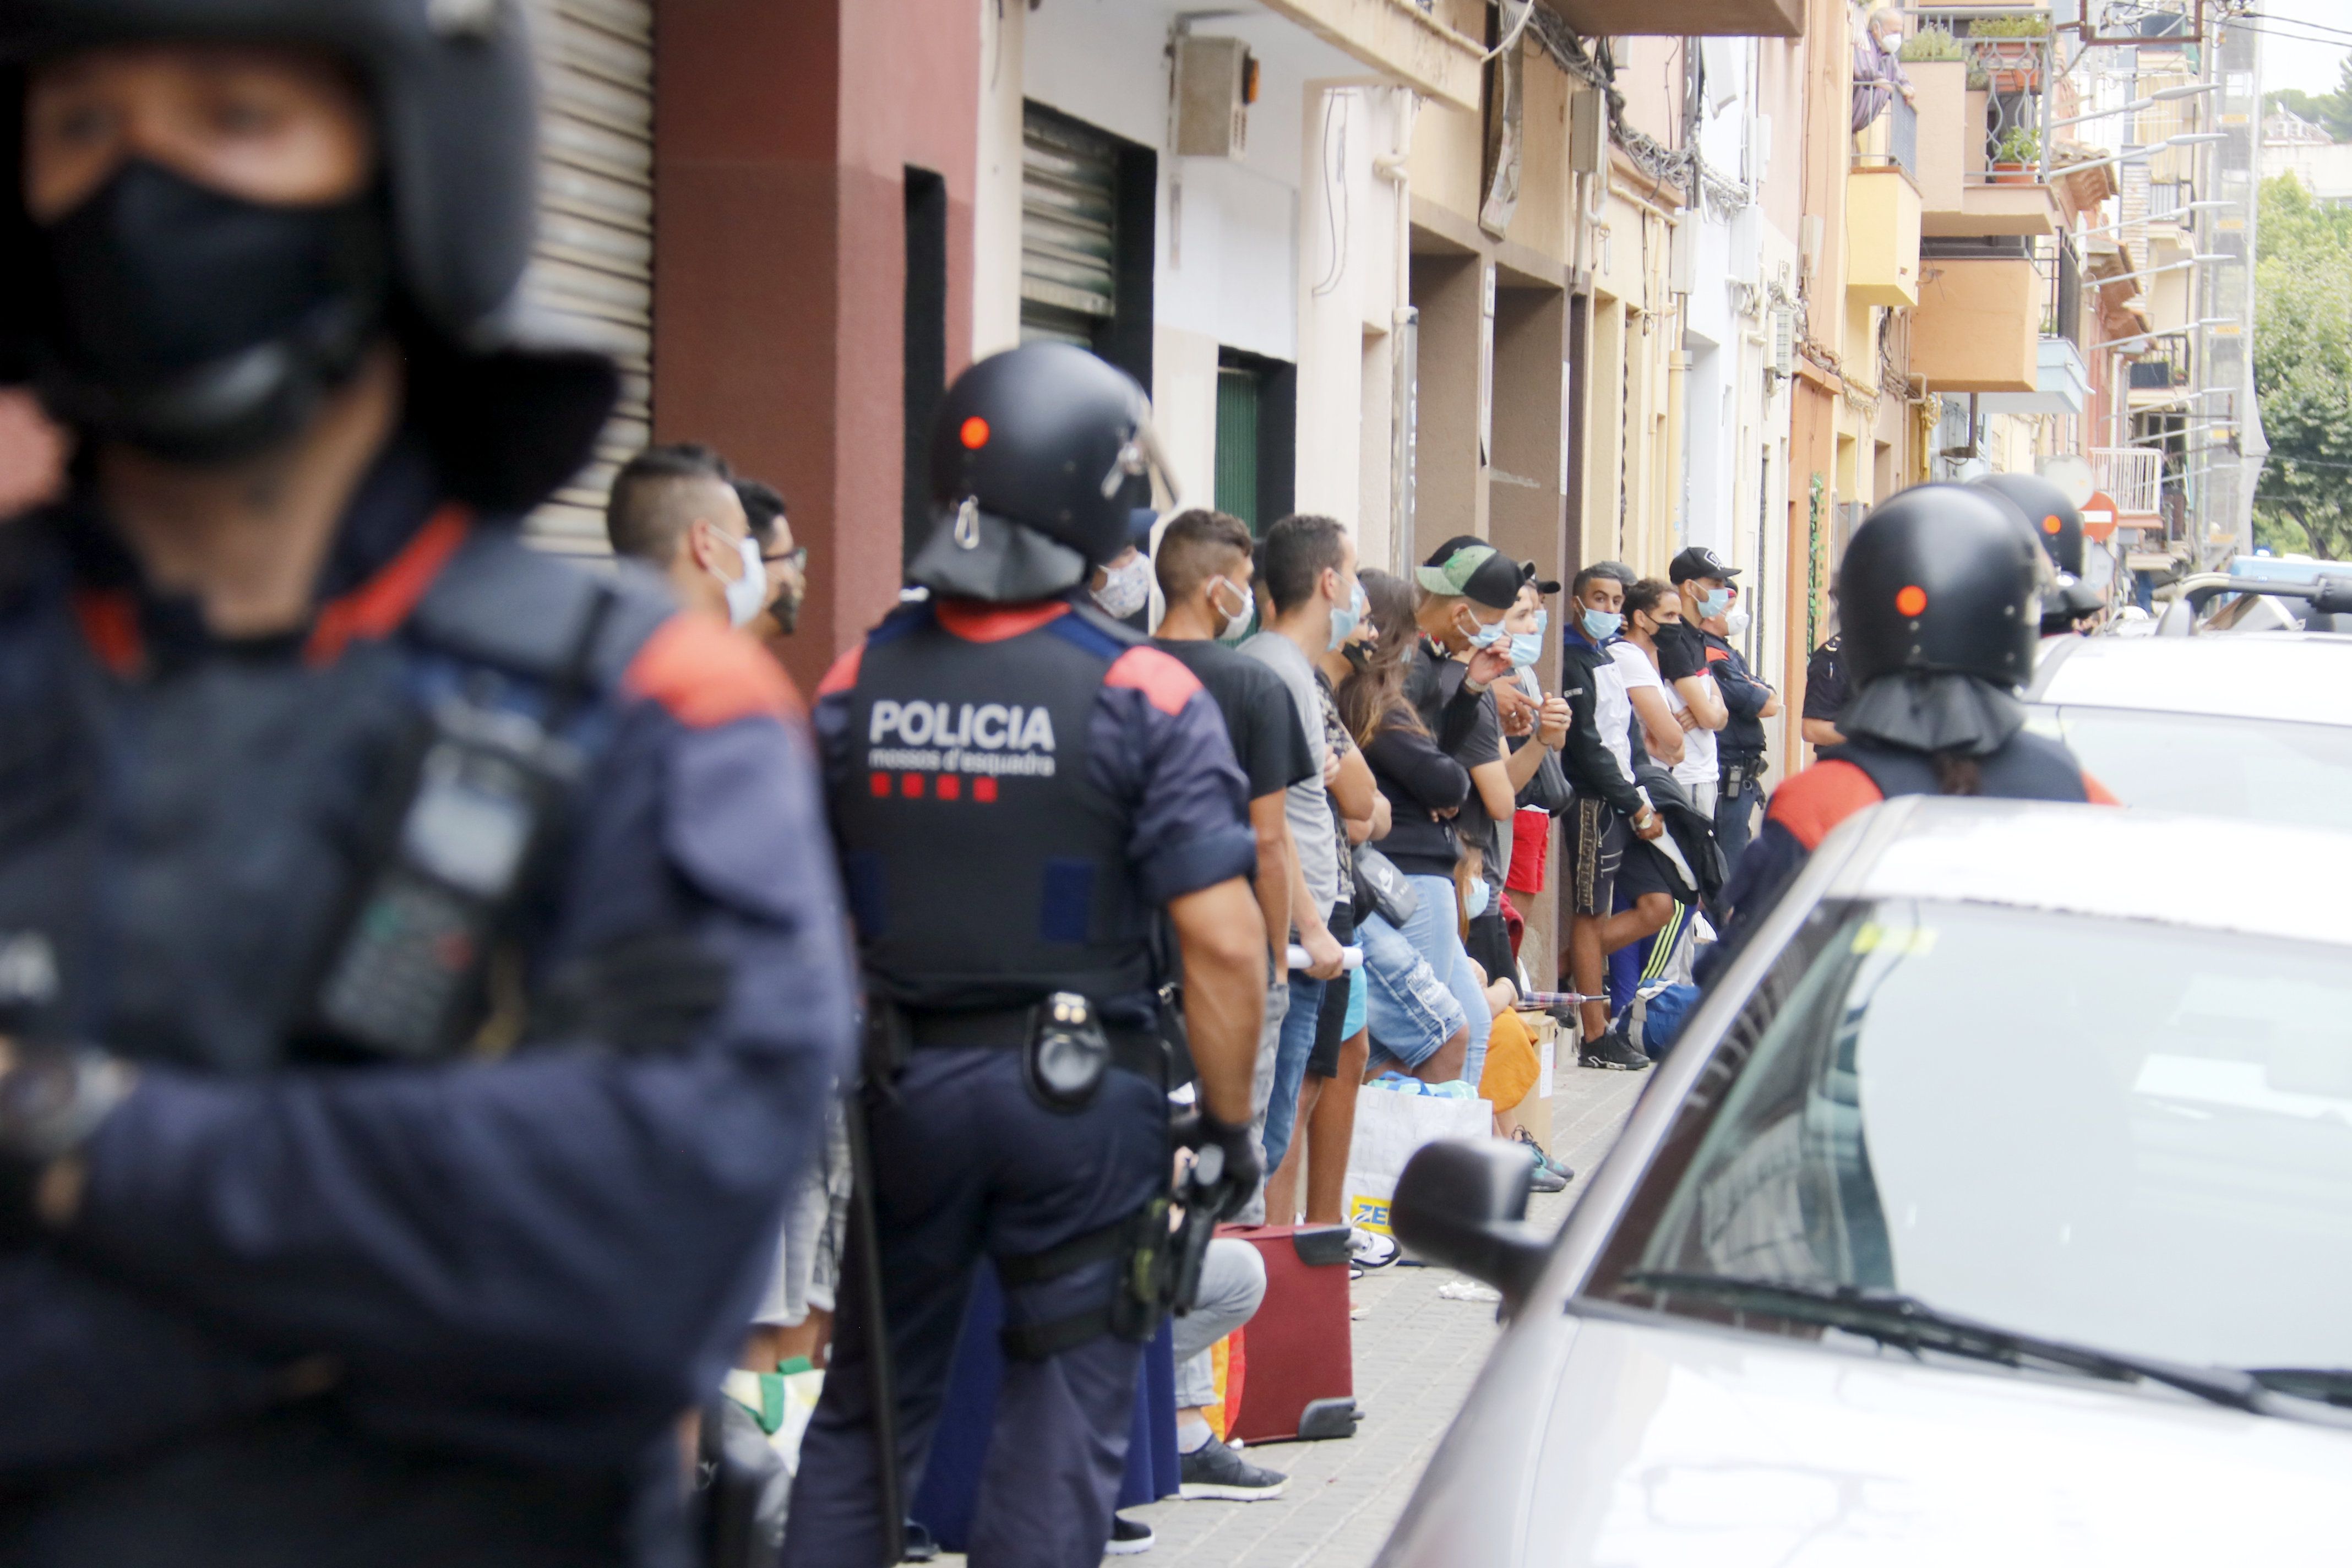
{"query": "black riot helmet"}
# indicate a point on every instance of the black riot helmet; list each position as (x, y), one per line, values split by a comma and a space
(1940, 579)
(2056, 522)
(434, 255)
(1036, 454)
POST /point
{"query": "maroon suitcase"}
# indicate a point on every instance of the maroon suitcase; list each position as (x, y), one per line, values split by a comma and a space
(1300, 1376)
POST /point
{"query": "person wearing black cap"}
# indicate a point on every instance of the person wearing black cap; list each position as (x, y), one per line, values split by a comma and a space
(1938, 589)
(1741, 747)
(1727, 759)
(429, 978)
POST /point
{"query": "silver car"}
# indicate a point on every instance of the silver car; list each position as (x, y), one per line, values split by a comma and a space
(2255, 727)
(1995, 1208)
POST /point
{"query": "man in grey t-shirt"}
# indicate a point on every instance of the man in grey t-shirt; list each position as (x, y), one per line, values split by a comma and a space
(1311, 577)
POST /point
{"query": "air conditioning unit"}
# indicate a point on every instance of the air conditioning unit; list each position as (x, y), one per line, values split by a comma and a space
(1216, 81)
(1784, 342)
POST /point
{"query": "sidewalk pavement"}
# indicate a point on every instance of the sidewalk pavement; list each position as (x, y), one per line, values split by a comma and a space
(1416, 1355)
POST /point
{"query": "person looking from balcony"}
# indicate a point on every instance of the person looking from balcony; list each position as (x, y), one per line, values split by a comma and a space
(1878, 73)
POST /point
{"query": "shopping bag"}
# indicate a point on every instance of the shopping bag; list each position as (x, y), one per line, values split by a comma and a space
(1392, 1124)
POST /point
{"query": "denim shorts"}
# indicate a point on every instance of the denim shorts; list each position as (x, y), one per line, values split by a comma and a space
(1410, 1011)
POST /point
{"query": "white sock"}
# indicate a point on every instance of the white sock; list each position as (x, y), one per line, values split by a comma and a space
(1193, 1433)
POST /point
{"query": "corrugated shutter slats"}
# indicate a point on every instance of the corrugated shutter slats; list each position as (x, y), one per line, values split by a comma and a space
(1069, 179)
(595, 262)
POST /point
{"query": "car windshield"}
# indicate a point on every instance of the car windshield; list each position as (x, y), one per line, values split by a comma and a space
(2115, 1133)
(2269, 770)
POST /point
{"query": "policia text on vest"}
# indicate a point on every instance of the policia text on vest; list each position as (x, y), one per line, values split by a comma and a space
(991, 739)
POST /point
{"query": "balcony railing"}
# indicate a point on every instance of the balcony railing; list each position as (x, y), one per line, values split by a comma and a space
(2133, 475)
(2015, 75)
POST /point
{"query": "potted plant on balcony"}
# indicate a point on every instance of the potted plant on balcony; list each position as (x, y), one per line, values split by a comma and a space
(2009, 50)
(2017, 157)
(1930, 45)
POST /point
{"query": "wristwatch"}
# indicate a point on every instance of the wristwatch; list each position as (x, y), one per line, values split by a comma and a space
(51, 1099)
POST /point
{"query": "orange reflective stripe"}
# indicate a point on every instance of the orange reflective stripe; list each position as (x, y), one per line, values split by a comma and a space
(110, 625)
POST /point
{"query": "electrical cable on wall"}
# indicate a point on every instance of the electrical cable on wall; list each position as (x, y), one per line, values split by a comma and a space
(1338, 220)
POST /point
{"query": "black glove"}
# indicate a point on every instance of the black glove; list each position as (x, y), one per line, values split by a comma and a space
(1226, 1169)
(51, 1101)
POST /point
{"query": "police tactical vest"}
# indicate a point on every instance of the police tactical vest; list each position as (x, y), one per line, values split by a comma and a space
(984, 865)
(2030, 767)
(175, 851)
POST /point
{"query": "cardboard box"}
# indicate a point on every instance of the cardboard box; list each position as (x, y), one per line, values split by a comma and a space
(1535, 1112)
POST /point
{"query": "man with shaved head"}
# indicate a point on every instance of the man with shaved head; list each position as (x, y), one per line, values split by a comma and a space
(676, 508)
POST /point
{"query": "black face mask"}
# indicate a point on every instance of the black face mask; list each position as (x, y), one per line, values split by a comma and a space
(199, 326)
(1357, 654)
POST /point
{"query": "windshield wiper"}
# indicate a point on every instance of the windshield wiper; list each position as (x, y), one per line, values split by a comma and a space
(2329, 1386)
(1893, 1319)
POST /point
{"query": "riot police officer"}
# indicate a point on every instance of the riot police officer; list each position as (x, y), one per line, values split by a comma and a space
(1018, 783)
(423, 968)
(1938, 594)
(2055, 523)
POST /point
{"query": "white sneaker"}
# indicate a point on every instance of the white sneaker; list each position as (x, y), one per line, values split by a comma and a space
(1370, 1248)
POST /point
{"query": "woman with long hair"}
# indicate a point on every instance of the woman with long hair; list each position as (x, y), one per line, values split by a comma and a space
(1423, 1001)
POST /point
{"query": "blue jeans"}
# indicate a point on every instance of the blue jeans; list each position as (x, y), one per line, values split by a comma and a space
(1735, 821)
(1435, 931)
(1290, 1065)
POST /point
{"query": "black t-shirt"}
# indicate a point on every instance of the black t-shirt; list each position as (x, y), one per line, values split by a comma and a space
(1483, 744)
(1260, 717)
(1682, 652)
(1825, 681)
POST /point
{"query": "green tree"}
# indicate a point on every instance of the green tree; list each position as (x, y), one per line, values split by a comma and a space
(2303, 371)
(2335, 109)
(2296, 101)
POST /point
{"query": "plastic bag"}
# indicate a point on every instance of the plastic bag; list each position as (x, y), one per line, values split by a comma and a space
(1389, 1129)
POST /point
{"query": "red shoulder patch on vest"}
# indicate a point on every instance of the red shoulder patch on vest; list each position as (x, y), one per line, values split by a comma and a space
(1160, 676)
(110, 625)
(843, 673)
(375, 609)
(2096, 793)
(977, 622)
(707, 675)
(1820, 797)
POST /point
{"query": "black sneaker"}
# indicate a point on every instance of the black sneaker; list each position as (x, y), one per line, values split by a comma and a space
(1128, 1537)
(1213, 1470)
(1614, 1051)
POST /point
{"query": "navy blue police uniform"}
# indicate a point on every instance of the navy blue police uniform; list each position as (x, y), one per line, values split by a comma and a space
(315, 1307)
(1015, 789)
(1740, 747)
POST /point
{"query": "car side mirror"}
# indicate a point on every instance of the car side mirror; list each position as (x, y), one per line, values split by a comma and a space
(1463, 1202)
(2333, 597)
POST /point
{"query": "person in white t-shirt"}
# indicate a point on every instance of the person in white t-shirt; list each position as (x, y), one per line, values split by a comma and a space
(1653, 621)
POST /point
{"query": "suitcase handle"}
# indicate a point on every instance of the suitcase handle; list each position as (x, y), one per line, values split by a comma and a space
(1322, 1245)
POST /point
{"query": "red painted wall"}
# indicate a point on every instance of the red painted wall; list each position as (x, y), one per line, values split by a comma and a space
(781, 135)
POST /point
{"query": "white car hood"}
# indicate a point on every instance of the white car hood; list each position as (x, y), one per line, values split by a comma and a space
(1669, 1446)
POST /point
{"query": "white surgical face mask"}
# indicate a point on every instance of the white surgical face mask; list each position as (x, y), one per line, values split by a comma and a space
(1474, 901)
(748, 594)
(1126, 587)
(1736, 622)
(1231, 625)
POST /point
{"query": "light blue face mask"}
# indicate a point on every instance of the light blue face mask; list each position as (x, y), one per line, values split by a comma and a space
(1474, 902)
(1713, 604)
(1488, 636)
(1343, 622)
(1526, 649)
(1543, 624)
(1600, 625)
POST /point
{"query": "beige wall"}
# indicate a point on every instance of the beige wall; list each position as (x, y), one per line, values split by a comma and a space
(1976, 326)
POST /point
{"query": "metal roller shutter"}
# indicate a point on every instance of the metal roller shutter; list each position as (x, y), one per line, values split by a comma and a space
(595, 264)
(1070, 186)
